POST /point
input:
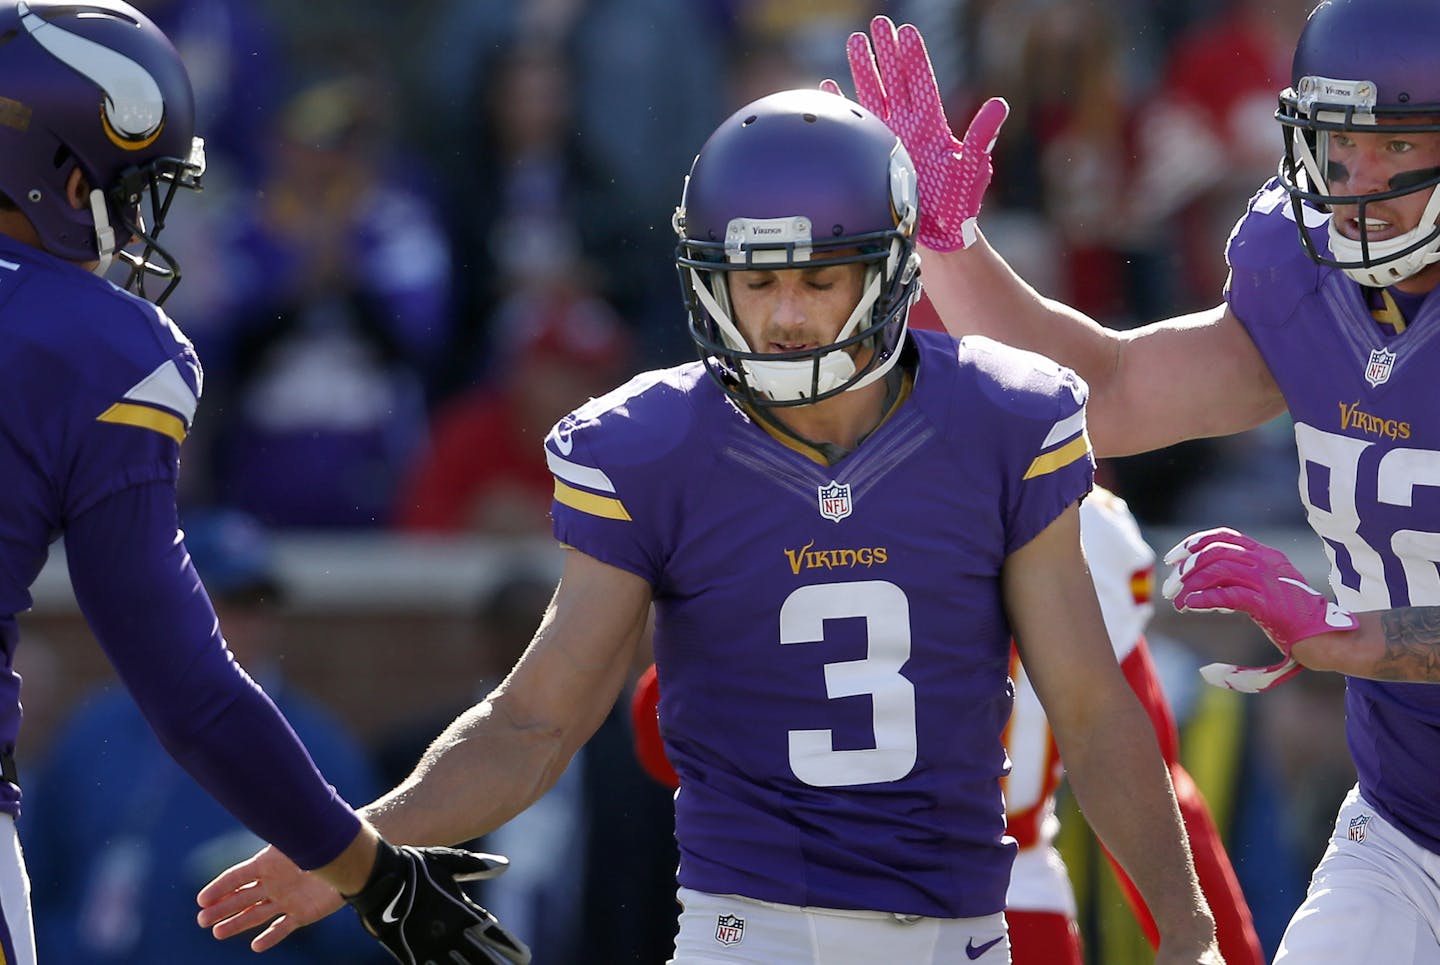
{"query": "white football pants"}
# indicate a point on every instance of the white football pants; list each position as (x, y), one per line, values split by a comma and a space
(1374, 898)
(729, 930)
(17, 933)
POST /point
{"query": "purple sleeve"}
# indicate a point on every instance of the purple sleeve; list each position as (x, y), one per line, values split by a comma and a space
(143, 600)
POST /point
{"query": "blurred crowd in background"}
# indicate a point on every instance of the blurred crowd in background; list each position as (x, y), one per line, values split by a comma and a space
(431, 229)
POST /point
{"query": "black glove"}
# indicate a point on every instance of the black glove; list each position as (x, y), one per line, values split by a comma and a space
(412, 903)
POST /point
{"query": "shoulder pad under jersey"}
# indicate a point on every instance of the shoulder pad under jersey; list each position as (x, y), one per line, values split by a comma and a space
(1270, 271)
(1022, 382)
(112, 356)
(632, 431)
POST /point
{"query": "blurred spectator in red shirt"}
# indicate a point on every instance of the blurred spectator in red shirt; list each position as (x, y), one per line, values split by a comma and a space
(484, 471)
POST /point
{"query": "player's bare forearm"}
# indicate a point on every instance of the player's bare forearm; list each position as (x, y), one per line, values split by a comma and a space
(492, 762)
(480, 772)
(1121, 783)
(1187, 377)
(1398, 644)
(1103, 734)
(975, 291)
(501, 755)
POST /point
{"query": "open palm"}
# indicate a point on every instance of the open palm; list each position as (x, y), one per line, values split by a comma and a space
(265, 890)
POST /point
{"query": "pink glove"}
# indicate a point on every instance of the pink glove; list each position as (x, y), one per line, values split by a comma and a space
(1223, 571)
(896, 83)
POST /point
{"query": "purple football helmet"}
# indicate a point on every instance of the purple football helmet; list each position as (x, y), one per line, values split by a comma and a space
(791, 179)
(1359, 62)
(95, 86)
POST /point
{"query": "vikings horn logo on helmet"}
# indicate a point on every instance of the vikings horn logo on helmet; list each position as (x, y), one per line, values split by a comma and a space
(134, 113)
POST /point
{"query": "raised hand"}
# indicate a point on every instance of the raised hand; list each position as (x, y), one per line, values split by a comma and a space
(894, 80)
(1221, 570)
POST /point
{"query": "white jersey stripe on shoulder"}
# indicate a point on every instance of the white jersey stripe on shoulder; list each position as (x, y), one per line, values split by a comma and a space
(587, 476)
(166, 387)
(1065, 429)
(9, 265)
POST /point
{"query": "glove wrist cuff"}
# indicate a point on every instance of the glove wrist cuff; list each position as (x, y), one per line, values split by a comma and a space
(388, 864)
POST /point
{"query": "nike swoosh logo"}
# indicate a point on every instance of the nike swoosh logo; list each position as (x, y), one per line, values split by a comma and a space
(389, 917)
(972, 952)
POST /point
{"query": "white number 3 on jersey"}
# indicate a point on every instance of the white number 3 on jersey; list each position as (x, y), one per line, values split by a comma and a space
(886, 611)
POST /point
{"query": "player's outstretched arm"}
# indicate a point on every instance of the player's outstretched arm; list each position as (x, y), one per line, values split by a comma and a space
(1150, 387)
(491, 763)
(1108, 746)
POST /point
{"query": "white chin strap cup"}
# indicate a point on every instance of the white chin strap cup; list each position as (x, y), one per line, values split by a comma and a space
(104, 234)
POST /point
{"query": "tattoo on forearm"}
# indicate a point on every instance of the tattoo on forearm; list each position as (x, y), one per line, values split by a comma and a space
(1412, 645)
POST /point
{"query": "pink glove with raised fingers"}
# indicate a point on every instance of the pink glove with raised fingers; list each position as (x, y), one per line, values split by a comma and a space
(894, 81)
(1222, 571)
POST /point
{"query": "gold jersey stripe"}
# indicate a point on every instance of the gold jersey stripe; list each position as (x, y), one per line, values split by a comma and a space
(1060, 458)
(810, 452)
(144, 417)
(602, 506)
(1389, 313)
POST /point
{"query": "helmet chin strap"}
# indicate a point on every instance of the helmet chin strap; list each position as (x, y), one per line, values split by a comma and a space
(1386, 268)
(794, 379)
(104, 233)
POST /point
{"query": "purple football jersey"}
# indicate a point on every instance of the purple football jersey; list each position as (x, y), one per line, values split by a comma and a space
(78, 361)
(1359, 394)
(99, 391)
(830, 640)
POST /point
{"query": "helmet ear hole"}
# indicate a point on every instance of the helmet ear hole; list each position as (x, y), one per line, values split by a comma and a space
(77, 187)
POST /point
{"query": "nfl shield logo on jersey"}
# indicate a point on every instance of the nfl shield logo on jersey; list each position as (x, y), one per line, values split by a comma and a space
(1377, 371)
(1357, 827)
(835, 501)
(729, 929)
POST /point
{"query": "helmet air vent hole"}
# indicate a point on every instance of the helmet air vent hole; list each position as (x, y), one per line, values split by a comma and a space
(809, 118)
(748, 121)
